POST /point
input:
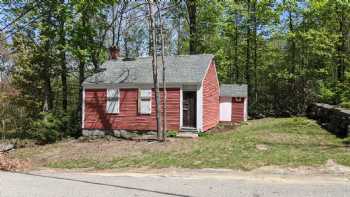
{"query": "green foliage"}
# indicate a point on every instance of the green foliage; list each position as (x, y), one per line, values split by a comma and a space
(46, 129)
(203, 134)
(335, 93)
(291, 53)
(345, 104)
(345, 90)
(49, 128)
(171, 133)
(326, 94)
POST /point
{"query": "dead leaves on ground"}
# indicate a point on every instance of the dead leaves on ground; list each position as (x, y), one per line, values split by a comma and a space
(8, 164)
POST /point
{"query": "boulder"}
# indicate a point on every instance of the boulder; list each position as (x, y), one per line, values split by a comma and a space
(6, 147)
(262, 147)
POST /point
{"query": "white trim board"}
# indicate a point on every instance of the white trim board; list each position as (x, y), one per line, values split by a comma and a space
(83, 110)
(246, 109)
(199, 108)
(181, 109)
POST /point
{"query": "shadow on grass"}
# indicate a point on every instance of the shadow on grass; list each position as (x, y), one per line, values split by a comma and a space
(340, 133)
(103, 184)
(346, 142)
(313, 145)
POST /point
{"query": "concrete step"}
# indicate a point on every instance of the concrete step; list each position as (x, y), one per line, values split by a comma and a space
(189, 129)
(191, 135)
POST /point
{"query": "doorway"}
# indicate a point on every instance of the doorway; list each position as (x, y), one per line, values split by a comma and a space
(189, 109)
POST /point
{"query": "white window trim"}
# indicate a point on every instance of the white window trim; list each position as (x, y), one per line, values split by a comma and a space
(146, 98)
(117, 101)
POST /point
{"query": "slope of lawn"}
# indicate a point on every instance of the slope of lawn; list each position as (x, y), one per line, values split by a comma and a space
(284, 141)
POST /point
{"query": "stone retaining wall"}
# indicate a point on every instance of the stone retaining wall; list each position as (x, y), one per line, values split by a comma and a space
(334, 119)
(118, 133)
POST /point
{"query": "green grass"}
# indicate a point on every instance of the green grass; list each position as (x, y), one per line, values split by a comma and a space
(290, 142)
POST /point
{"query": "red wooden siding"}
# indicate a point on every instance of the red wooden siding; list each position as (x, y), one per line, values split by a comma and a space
(237, 110)
(211, 102)
(128, 118)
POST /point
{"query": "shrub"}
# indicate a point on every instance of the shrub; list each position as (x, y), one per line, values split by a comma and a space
(335, 93)
(203, 134)
(171, 133)
(327, 95)
(47, 128)
(345, 105)
(71, 124)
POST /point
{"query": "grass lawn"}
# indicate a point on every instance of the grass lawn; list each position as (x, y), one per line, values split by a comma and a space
(286, 142)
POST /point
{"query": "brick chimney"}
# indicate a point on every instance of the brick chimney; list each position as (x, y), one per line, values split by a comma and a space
(114, 52)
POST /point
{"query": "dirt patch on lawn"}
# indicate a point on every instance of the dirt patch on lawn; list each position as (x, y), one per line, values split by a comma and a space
(100, 150)
(106, 149)
(330, 167)
(224, 127)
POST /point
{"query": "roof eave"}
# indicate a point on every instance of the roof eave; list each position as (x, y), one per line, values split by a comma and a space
(135, 85)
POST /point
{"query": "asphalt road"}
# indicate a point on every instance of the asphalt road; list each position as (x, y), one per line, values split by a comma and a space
(59, 184)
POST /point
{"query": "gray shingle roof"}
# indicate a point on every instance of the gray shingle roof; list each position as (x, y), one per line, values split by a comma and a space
(184, 69)
(234, 90)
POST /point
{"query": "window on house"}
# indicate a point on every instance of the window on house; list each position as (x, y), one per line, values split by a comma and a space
(145, 101)
(112, 101)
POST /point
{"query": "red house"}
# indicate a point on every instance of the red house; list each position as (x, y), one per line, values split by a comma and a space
(121, 96)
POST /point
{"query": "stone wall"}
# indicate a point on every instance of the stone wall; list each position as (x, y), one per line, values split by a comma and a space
(334, 119)
(119, 133)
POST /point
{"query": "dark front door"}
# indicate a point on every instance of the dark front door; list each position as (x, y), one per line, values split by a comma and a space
(189, 109)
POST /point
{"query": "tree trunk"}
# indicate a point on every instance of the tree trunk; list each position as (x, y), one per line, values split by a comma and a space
(3, 129)
(81, 69)
(63, 61)
(341, 50)
(248, 50)
(64, 82)
(178, 43)
(113, 24)
(81, 80)
(292, 44)
(163, 77)
(236, 51)
(150, 43)
(192, 15)
(122, 12)
(255, 59)
(126, 49)
(48, 102)
(155, 67)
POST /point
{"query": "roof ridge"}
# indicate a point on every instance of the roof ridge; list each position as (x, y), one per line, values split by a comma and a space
(182, 55)
(180, 69)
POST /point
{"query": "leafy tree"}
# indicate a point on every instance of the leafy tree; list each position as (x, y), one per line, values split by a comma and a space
(291, 53)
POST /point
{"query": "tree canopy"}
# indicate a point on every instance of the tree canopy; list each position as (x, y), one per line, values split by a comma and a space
(290, 53)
